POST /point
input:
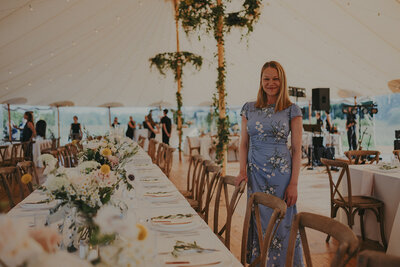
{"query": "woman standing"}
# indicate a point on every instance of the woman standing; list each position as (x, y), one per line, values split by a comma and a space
(265, 160)
(151, 126)
(28, 132)
(76, 130)
(130, 131)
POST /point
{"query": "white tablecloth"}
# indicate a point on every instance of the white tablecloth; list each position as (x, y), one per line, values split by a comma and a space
(205, 143)
(144, 209)
(383, 185)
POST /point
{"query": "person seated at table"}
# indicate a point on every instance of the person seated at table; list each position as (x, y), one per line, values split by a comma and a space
(115, 123)
(130, 131)
(29, 131)
(150, 125)
(76, 130)
(41, 126)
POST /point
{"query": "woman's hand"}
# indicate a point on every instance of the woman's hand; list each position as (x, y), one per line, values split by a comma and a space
(241, 177)
(291, 195)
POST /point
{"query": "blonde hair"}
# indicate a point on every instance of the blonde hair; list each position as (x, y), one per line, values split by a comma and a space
(283, 101)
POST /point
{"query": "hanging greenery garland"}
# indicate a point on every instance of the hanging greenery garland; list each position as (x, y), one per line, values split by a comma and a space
(171, 61)
(206, 15)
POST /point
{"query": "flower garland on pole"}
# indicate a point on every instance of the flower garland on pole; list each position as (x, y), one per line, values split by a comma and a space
(175, 61)
(210, 15)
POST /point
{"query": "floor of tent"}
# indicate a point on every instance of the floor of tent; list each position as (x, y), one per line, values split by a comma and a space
(313, 197)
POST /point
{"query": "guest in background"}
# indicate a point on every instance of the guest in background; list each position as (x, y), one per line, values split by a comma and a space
(319, 120)
(76, 130)
(41, 126)
(115, 123)
(29, 131)
(351, 130)
(130, 131)
(166, 127)
(151, 126)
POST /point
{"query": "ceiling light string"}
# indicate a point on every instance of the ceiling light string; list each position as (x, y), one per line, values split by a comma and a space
(336, 40)
(144, 56)
(57, 37)
(78, 53)
(92, 48)
(131, 52)
(312, 53)
(366, 26)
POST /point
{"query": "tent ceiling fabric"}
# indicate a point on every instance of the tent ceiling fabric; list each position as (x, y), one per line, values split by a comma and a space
(96, 51)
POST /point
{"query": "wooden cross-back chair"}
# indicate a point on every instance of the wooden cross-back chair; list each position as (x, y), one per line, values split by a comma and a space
(192, 147)
(230, 205)
(397, 154)
(195, 202)
(10, 177)
(194, 162)
(5, 156)
(141, 141)
(279, 210)
(169, 158)
(352, 204)
(27, 148)
(28, 167)
(348, 241)
(160, 155)
(17, 153)
(152, 149)
(64, 157)
(371, 258)
(72, 152)
(207, 187)
(362, 156)
(52, 147)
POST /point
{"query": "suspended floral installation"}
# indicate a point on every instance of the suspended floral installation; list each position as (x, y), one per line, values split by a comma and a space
(175, 61)
(211, 16)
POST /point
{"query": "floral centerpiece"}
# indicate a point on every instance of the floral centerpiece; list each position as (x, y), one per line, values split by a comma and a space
(34, 247)
(80, 193)
(112, 150)
(132, 245)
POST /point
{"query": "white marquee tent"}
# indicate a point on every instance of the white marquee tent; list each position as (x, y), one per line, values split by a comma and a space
(95, 51)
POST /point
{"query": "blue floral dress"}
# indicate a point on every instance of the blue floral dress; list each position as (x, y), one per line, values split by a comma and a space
(269, 168)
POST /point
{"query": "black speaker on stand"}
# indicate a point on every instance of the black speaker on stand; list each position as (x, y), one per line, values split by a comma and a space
(320, 99)
(397, 141)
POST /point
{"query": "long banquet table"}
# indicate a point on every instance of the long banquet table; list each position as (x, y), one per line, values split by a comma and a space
(143, 169)
(384, 185)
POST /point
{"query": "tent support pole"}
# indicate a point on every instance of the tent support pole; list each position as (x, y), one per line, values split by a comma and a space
(179, 82)
(58, 121)
(9, 123)
(109, 116)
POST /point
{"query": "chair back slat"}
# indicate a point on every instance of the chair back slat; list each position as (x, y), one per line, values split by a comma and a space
(348, 241)
(362, 156)
(335, 186)
(397, 154)
(11, 180)
(279, 210)
(141, 141)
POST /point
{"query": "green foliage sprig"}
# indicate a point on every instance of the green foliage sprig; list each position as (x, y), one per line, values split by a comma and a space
(171, 61)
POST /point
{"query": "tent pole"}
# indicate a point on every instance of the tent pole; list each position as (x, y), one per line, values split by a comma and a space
(58, 121)
(9, 123)
(179, 82)
(109, 116)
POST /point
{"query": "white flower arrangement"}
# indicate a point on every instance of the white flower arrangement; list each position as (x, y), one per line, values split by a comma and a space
(132, 246)
(21, 246)
(88, 166)
(49, 162)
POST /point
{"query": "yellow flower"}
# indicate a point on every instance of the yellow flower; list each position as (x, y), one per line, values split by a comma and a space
(106, 152)
(26, 178)
(142, 232)
(105, 169)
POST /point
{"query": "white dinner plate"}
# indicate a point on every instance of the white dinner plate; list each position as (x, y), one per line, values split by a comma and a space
(192, 225)
(165, 197)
